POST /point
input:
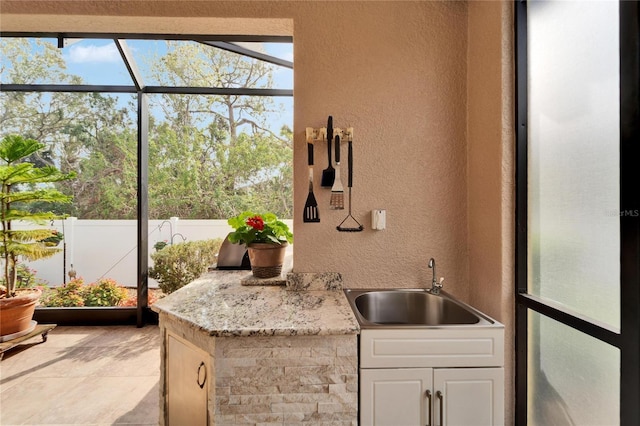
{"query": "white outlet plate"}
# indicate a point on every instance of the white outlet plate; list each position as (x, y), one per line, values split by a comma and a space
(378, 219)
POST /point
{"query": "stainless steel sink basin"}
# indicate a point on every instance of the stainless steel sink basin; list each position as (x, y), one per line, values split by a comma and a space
(411, 308)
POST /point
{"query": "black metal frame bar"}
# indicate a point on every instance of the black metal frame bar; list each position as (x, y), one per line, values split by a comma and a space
(89, 88)
(627, 339)
(88, 316)
(143, 208)
(521, 349)
(630, 212)
(130, 63)
(240, 91)
(139, 36)
(142, 314)
(69, 88)
(570, 318)
(234, 48)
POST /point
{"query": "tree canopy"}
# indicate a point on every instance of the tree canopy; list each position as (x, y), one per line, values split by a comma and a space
(210, 156)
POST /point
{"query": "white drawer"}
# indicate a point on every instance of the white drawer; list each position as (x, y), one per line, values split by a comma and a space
(451, 347)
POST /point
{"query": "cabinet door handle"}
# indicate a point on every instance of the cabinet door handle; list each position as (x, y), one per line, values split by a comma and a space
(202, 372)
(440, 396)
(428, 395)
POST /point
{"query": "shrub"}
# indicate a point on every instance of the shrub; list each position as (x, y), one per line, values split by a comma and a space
(176, 265)
(26, 277)
(105, 292)
(69, 295)
(132, 300)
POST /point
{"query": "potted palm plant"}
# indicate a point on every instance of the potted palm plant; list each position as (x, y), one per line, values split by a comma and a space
(22, 185)
(266, 239)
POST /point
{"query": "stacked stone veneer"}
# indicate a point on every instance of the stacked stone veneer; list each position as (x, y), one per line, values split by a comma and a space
(307, 376)
(293, 380)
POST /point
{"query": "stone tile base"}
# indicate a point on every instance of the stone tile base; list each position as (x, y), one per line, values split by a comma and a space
(286, 380)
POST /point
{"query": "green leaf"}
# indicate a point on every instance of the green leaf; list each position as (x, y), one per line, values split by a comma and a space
(15, 147)
(41, 195)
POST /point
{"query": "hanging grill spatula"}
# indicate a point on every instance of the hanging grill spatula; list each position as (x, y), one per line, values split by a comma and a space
(329, 174)
(311, 206)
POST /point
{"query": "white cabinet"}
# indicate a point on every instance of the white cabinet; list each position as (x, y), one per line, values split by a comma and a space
(432, 396)
(468, 396)
(187, 375)
(394, 397)
(406, 379)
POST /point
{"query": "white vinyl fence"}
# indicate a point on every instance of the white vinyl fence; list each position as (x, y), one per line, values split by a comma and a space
(108, 248)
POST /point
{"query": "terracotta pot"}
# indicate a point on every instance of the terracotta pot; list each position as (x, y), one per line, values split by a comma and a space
(16, 312)
(266, 259)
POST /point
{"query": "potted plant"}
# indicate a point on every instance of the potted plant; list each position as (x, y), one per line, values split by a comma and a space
(266, 238)
(23, 184)
(54, 239)
(159, 245)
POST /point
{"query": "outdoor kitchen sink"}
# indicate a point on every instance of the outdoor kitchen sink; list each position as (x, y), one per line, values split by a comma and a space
(431, 355)
(391, 308)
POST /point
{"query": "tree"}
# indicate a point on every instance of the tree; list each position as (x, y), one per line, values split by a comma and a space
(211, 156)
(220, 145)
(72, 126)
(42, 116)
(14, 176)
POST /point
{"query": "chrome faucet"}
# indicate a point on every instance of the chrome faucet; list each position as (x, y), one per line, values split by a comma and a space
(435, 285)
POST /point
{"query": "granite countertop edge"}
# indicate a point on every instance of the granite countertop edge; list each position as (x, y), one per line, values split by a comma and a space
(219, 305)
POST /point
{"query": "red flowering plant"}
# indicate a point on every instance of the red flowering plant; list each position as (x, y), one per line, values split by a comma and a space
(253, 227)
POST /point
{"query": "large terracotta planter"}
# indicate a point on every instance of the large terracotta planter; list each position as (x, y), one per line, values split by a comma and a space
(16, 312)
(267, 259)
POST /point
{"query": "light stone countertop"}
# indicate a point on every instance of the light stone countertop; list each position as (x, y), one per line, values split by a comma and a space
(218, 304)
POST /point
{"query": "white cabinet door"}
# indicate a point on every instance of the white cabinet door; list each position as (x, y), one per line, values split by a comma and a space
(468, 396)
(395, 397)
(187, 383)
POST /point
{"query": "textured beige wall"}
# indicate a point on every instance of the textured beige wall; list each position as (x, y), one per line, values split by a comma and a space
(394, 71)
(490, 162)
(397, 74)
(427, 87)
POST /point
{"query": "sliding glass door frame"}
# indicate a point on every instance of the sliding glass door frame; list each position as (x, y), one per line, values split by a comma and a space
(627, 338)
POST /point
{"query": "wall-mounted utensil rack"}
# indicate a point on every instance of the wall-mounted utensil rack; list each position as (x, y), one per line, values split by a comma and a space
(322, 135)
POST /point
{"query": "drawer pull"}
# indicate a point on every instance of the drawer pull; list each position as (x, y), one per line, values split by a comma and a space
(428, 395)
(440, 396)
(202, 372)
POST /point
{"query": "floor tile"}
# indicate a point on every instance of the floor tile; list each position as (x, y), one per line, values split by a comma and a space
(34, 396)
(67, 336)
(131, 362)
(17, 365)
(102, 400)
(83, 376)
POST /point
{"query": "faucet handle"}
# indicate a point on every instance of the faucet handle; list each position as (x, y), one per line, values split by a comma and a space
(437, 286)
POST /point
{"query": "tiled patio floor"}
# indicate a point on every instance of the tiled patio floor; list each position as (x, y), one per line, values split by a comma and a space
(83, 376)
